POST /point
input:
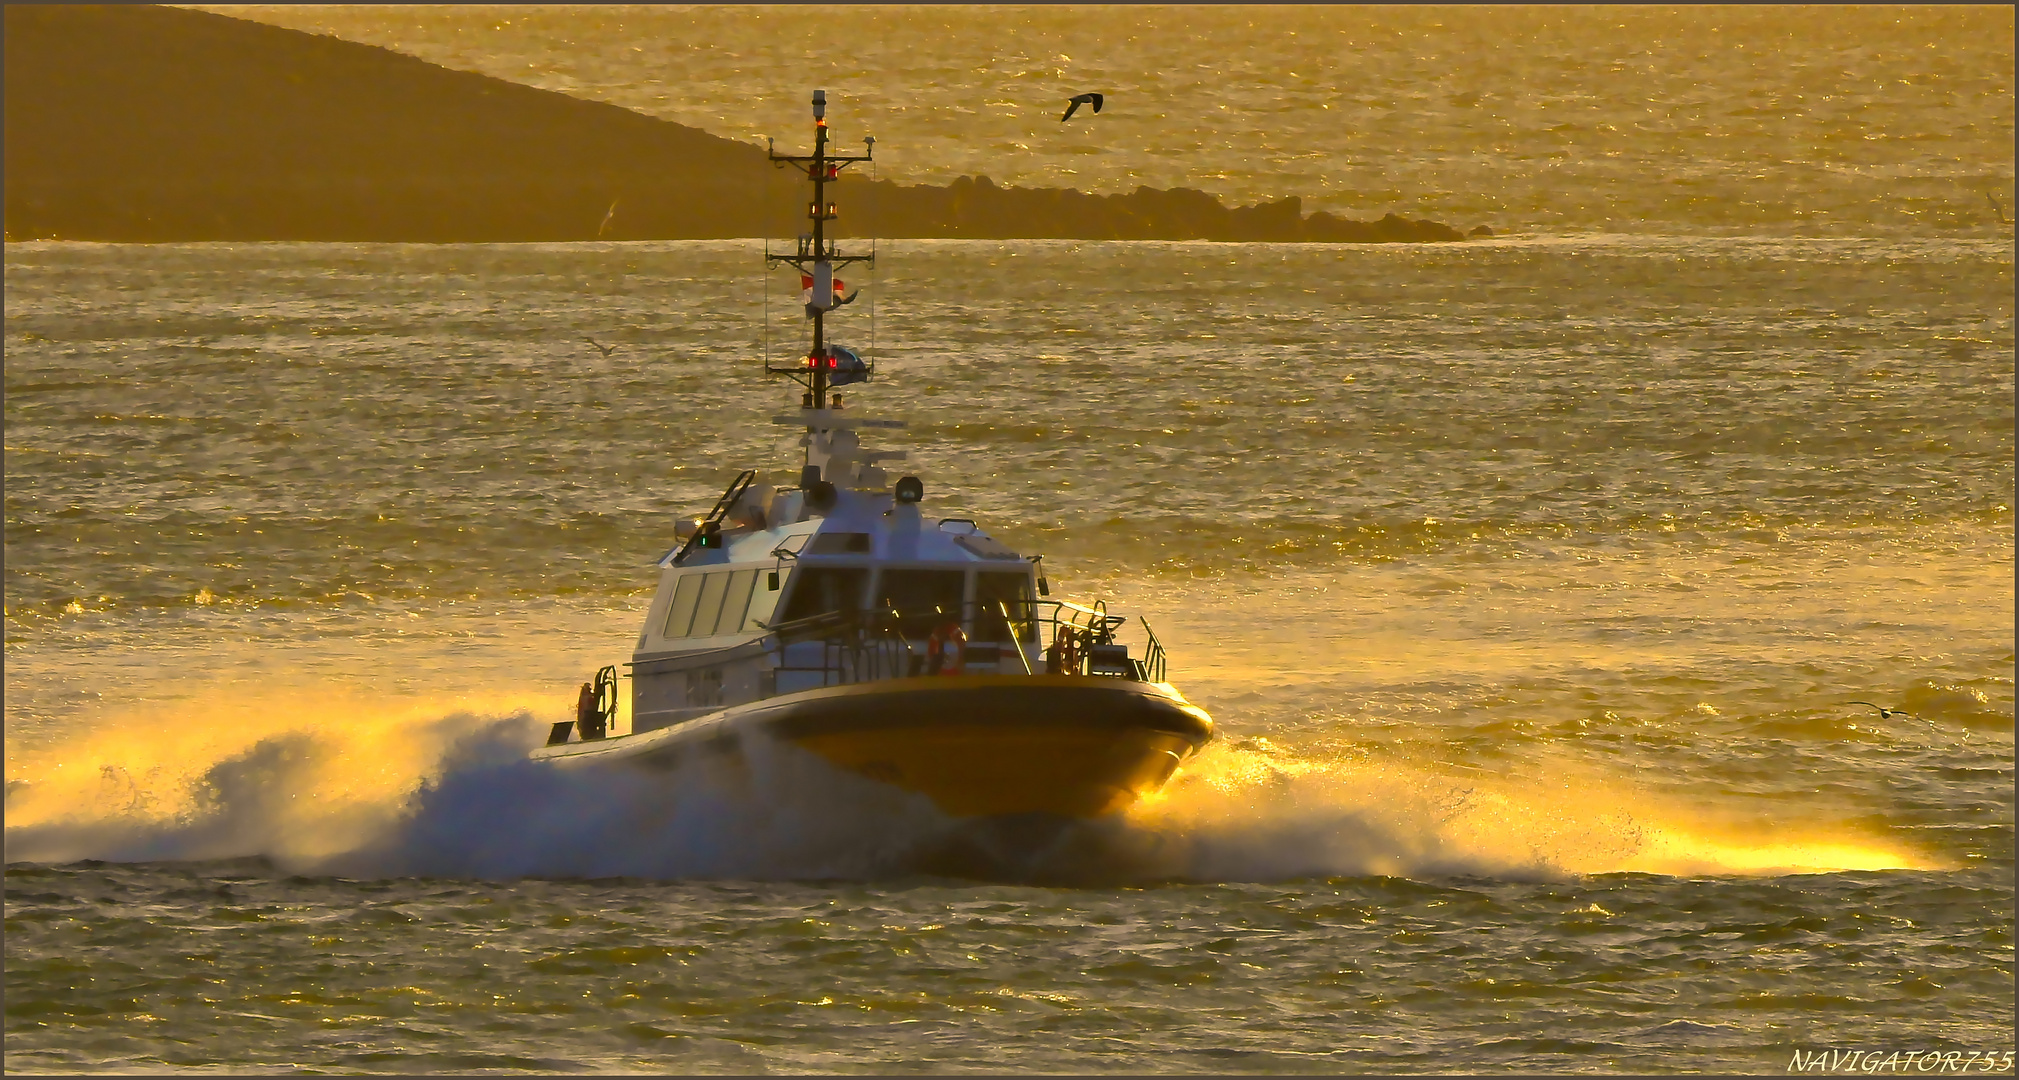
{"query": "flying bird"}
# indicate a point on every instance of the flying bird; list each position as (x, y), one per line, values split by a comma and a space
(1083, 99)
(606, 349)
(1888, 714)
(607, 215)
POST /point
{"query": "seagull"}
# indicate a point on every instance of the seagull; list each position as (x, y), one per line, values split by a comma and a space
(606, 349)
(1084, 99)
(1888, 714)
(607, 215)
(1996, 206)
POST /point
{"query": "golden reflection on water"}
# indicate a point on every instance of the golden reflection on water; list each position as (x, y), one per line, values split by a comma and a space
(1247, 812)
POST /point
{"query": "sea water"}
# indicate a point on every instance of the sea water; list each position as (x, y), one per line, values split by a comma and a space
(1530, 581)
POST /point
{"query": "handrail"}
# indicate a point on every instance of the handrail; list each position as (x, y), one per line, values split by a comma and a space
(721, 510)
(1011, 623)
(1094, 619)
(699, 656)
(1153, 654)
(855, 646)
(861, 645)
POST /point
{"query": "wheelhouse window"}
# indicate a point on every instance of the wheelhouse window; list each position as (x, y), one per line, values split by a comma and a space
(818, 590)
(705, 605)
(839, 543)
(709, 607)
(995, 591)
(923, 599)
(735, 600)
(766, 589)
(680, 615)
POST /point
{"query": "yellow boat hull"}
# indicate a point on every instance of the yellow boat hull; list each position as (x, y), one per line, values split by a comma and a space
(979, 746)
(988, 745)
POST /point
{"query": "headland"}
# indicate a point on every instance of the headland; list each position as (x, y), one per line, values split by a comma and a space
(140, 123)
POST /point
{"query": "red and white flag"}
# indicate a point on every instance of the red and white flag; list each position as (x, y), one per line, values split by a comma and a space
(806, 289)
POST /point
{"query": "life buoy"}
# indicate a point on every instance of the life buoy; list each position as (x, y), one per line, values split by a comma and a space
(596, 705)
(588, 717)
(946, 650)
(1064, 658)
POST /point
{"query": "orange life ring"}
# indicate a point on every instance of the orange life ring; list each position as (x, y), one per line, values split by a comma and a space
(1064, 659)
(948, 642)
(589, 722)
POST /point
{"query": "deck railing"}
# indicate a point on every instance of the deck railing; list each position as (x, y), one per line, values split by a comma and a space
(1049, 636)
(839, 648)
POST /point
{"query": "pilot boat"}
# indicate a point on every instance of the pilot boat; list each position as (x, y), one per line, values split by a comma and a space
(834, 616)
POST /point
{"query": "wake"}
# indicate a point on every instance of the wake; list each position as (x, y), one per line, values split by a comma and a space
(350, 790)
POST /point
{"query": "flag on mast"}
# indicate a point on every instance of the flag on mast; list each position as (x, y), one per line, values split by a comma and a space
(806, 288)
(806, 293)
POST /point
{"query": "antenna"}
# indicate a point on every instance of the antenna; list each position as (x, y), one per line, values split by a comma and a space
(869, 150)
(816, 258)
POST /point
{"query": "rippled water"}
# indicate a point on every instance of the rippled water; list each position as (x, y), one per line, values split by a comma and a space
(1380, 975)
(1529, 582)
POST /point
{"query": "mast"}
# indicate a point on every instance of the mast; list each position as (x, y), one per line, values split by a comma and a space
(817, 256)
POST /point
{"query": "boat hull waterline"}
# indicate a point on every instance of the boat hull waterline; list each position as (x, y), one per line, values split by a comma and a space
(1070, 746)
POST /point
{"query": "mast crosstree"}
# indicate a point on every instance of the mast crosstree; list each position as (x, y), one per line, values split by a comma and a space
(816, 259)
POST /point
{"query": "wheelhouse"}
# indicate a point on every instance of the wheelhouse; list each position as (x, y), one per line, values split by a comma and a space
(930, 580)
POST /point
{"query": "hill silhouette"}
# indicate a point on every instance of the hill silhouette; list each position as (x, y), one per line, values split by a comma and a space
(145, 123)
